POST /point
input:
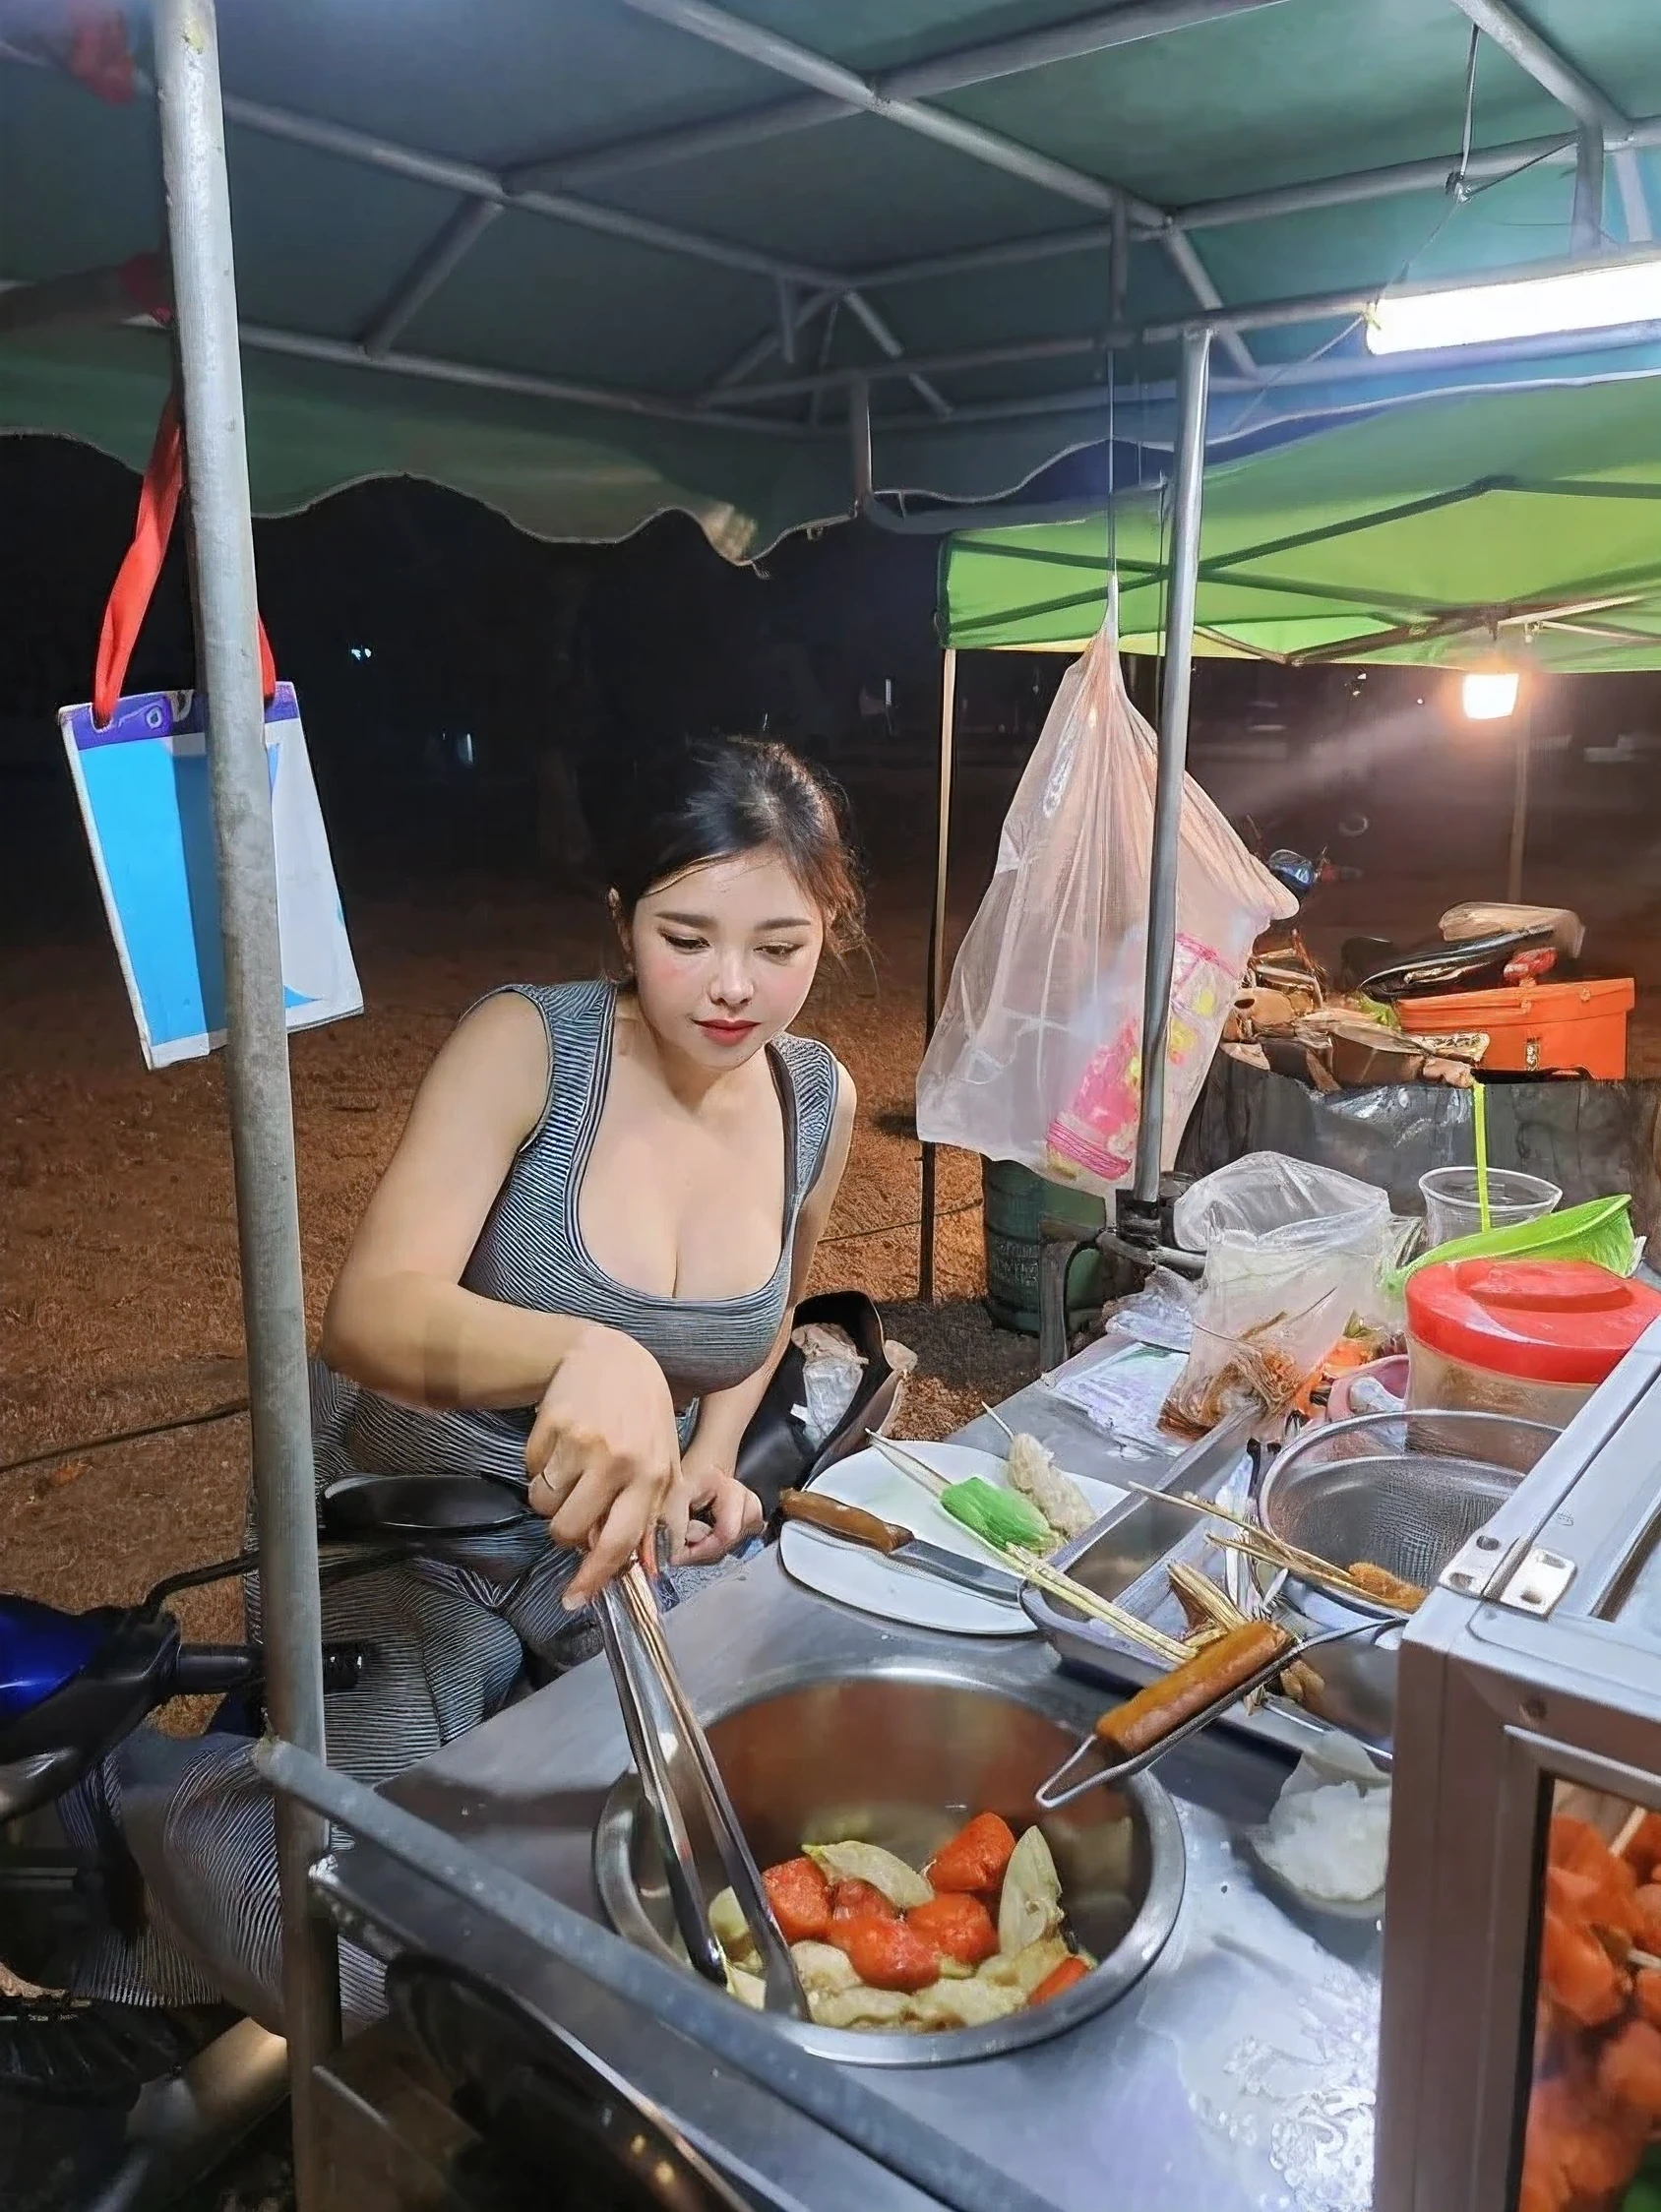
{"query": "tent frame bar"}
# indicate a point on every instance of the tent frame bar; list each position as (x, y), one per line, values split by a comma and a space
(261, 1122)
(1354, 188)
(857, 95)
(473, 181)
(426, 275)
(508, 190)
(1188, 484)
(516, 188)
(956, 71)
(1601, 121)
(934, 980)
(1264, 315)
(97, 297)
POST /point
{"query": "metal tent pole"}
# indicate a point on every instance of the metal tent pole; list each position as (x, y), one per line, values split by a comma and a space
(935, 982)
(193, 160)
(1191, 391)
(1586, 223)
(1519, 810)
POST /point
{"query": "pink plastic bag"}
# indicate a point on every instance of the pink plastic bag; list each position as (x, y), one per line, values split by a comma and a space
(1037, 1057)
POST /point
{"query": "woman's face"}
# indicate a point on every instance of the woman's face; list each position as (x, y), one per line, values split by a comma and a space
(724, 956)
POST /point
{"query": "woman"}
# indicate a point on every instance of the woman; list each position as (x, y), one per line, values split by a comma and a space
(581, 1263)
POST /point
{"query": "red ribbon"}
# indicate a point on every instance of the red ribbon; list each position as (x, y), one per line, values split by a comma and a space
(99, 55)
(130, 598)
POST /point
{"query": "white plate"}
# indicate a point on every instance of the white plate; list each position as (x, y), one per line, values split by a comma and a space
(865, 1579)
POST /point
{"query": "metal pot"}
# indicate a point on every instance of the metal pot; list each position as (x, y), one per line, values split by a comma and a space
(901, 1757)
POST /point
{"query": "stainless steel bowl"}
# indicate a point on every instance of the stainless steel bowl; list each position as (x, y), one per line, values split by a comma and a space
(902, 1759)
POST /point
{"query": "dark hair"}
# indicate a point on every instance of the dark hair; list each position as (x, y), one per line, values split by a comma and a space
(714, 798)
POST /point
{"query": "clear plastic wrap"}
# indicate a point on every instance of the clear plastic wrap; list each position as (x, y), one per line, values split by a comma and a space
(1269, 1195)
(1295, 1257)
(832, 1373)
(1263, 1326)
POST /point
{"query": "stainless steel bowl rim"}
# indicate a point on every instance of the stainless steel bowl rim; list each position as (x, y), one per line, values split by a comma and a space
(1140, 1946)
(1309, 1599)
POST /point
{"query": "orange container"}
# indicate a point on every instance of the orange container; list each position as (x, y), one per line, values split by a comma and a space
(1544, 1028)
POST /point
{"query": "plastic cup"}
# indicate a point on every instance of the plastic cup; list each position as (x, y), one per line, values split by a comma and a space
(1451, 1209)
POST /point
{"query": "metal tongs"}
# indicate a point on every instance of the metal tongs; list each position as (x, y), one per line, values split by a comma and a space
(659, 1721)
(1056, 1791)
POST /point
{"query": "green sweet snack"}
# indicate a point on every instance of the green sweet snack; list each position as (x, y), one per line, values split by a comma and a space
(998, 1516)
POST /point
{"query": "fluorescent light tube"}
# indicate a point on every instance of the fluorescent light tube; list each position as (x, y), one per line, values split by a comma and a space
(1600, 296)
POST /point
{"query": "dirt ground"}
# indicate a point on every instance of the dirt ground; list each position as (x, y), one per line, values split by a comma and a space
(119, 1304)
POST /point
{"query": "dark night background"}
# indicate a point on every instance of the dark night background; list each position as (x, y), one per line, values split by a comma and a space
(448, 667)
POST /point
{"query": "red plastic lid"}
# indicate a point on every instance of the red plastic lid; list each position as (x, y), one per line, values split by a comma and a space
(1547, 1320)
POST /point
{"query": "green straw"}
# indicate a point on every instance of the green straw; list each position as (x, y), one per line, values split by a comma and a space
(1479, 1118)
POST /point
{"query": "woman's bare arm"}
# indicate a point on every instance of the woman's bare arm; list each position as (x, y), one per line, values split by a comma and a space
(399, 1320)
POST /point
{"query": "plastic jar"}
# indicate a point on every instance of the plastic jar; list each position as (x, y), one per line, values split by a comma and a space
(1528, 1337)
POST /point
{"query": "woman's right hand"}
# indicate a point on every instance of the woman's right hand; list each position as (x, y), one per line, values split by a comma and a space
(604, 1457)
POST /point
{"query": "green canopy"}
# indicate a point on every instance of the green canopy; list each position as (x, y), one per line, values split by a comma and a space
(548, 254)
(1527, 518)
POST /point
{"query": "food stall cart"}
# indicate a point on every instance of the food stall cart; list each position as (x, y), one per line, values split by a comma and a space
(493, 399)
(1142, 2106)
(1270, 2049)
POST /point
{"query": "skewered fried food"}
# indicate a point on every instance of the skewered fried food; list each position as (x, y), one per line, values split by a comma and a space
(1152, 1715)
(1387, 1588)
(1032, 1470)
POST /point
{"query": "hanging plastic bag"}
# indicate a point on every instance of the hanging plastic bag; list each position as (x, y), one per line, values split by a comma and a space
(1037, 1057)
(140, 765)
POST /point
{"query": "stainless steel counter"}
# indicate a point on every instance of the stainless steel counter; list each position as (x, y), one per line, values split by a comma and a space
(1237, 2077)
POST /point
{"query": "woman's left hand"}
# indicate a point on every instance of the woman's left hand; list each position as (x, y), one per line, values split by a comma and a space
(734, 1514)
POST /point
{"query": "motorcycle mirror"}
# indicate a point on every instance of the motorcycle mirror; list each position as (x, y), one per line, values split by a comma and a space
(362, 1505)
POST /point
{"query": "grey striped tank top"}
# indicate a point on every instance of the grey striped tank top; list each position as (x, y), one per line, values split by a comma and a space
(530, 1253)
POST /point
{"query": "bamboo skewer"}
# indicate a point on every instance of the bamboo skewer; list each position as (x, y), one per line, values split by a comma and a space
(1085, 1600)
(1192, 1587)
(1329, 1578)
(1035, 1569)
(1300, 1681)
(1273, 1550)
(1630, 1827)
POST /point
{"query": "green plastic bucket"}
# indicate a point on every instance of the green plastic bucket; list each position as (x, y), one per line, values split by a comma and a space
(1016, 1202)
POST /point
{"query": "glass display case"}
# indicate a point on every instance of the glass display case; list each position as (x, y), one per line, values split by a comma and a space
(1520, 2043)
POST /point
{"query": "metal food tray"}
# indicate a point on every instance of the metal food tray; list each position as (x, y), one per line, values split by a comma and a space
(1125, 1558)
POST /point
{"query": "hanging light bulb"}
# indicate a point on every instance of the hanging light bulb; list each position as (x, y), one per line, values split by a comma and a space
(1489, 695)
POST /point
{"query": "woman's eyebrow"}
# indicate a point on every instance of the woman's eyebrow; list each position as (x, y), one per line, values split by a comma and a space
(708, 921)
